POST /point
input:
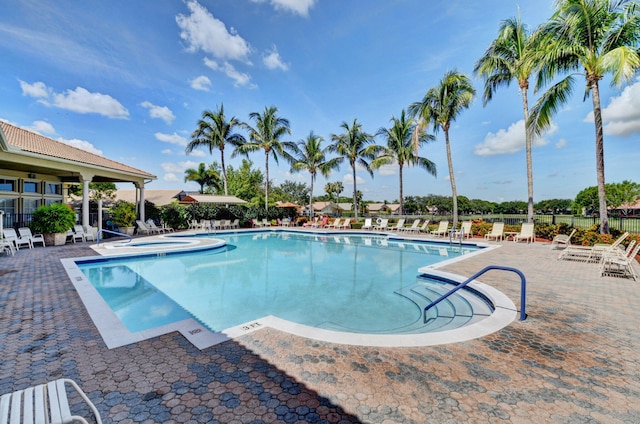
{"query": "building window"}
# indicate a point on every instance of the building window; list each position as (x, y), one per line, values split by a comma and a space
(7, 185)
(53, 188)
(30, 205)
(30, 187)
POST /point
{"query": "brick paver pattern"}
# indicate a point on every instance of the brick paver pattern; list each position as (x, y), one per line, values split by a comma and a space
(576, 359)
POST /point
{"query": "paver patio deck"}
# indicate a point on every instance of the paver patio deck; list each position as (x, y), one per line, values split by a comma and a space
(575, 359)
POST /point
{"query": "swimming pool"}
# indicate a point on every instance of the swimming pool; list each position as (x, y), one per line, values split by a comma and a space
(338, 282)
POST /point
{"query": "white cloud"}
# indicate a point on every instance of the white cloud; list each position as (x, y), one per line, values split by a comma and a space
(272, 60)
(174, 172)
(386, 170)
(161, 112)
(239, 78)
(171, 178)
(37, 89)
(348, 179)
(300, 7)
(42, 127)
(621, 117)
(510, 141)
(79, 100)
(167, 152)
(82, 145)
(201, 83)
(561, 143)
(171, 138)
(197, 154)
(202, 31)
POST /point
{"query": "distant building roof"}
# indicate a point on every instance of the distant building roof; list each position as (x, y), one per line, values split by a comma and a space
(157, 197)
(210, 198)
(376, 207)
(345, 206)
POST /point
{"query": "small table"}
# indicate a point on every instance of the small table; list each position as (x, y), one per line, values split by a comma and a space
(511, 234)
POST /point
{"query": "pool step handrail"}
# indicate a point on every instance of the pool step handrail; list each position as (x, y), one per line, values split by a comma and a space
(523, 289)
(452, 232)
(114, 233)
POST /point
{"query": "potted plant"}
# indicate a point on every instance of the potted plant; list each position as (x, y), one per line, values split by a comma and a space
(53, 221)
(124, 215)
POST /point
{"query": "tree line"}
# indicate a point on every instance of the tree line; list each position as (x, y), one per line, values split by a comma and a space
(587, 38)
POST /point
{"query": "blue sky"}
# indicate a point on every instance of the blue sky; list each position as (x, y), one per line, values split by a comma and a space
(129, 80)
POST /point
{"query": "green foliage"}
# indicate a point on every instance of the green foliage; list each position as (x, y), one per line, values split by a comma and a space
(175, 215)
(291, 191)
(123, 213)
(54, 218)
(554, 206)
(626, 192)
(245, 182)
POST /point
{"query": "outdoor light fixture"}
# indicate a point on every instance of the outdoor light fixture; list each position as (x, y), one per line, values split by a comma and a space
(32, 176)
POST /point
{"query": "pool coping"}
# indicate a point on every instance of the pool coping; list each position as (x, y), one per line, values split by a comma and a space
(115, 334)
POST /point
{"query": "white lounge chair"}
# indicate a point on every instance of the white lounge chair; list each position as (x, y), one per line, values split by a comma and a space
(399, 225)
(562, 240)
(142, 228)
(442, 229)
(591, 253)
(10, 235)
(413, 227)
(153, 227)
(346, 225)
(424, 228)
(496, 232)
(618, 264)
(44, 403)
(266, 222)
(527, 232)
(7, 246)
(464, 231)
(382, 225)
(337, 223)
(81, 234)
(367, 224)
(35, 238)
(235, 223)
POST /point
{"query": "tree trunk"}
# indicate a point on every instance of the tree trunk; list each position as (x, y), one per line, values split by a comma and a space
(313, 177)
(224, 171)
(355, 192)
(266, 185)
(452, 178)
(597, 117)
(528, 145)
(401, 209)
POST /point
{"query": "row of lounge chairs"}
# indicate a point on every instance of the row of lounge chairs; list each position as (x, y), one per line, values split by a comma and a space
(207, 225)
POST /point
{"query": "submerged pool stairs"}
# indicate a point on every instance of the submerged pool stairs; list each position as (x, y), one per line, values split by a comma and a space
(452, 313)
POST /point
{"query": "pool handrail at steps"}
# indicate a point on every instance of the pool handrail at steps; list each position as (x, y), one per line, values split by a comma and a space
(523, 289)
(114, 233)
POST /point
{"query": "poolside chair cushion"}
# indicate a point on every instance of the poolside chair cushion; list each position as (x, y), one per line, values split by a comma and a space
(44, 403)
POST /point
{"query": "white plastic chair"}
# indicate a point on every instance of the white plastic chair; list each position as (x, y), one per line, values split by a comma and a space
(25, 232)
(44, 403)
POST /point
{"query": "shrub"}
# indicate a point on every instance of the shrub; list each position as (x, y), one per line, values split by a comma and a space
(54, 218)
(123, 213)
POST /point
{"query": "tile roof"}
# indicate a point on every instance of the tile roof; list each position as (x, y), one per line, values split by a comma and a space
(210, 198)
(32, 142)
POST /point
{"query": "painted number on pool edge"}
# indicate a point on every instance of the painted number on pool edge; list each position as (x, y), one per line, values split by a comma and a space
(251, 326)
(196, 331)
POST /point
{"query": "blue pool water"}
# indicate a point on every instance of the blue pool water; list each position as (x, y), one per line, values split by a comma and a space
(360, 284)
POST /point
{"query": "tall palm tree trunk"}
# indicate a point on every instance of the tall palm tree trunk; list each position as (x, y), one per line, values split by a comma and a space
(528, 144)
(313, 177)
(224, 171)
(452, 178)
(355, 191)
(597, 117)
(401, 211)
(266, 186)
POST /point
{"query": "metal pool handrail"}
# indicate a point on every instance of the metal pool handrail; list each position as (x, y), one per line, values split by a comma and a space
(115, 233)
(523, 289)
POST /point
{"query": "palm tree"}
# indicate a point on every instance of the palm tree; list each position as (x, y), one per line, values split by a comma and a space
(511, 56)
(203, 176)
(591, 38)
(402, 149)
(266, 135)
(440, 106)
(358, 148)
(334, 188)
(309, 155)
(213, 132)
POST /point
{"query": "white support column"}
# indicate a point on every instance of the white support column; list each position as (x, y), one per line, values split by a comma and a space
(85, 202)
(141, 206)
(99, 214)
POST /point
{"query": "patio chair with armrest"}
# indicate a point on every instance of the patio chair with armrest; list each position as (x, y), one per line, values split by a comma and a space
(413, 227)
(44, 403)
(562, 240)
(35, 238)
(10, 235)
(464, 231)
(620, 264)
(367, 224)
